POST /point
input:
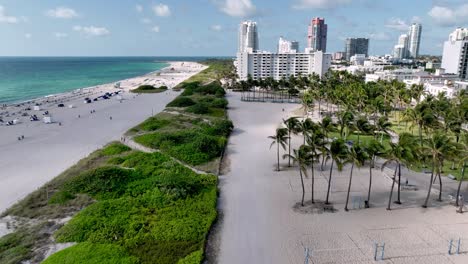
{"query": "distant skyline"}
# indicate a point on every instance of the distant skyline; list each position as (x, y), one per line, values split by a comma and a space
(209, 27)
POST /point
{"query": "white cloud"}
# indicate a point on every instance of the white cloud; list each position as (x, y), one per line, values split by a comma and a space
(162, 10)
(397, 24)
(379, 36)
(62, 12)
(28, 35)
(216, 27)
(60, 35)
(146, 20)
(445, 16)
(139, 8)
(320, 4)
(238, 8)
(155, 29)
(92, 31)
(4, 18)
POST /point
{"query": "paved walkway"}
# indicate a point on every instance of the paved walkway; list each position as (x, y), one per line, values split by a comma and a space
(260, 224)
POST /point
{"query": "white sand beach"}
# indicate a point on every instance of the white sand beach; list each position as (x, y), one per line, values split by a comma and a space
(260, 225)
(77, 129)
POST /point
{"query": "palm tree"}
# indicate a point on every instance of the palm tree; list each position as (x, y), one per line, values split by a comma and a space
(339, 155)
(345, 120)
(314, 141)
(300, 157)
(373, 148)
(438, 147)
(383, 126)
(279, 139)
(464, 148)
(305, 127)
(362, 126)
(416, 92)
(357, 156)
(402, 152)
(291, 125)
(327, 126)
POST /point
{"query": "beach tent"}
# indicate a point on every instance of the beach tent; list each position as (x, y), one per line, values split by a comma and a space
(119, 97)
(37, 108)
(70, 106)
(16, 121)
(47, 119)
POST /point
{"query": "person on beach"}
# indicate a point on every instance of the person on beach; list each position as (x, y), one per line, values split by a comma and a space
(110, 117)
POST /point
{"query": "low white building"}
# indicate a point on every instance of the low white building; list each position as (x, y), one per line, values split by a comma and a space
(411, 76)
(435, 88)
(358, 59)
(263, 64)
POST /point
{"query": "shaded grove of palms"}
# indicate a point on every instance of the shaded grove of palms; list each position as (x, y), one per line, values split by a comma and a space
(434, 134)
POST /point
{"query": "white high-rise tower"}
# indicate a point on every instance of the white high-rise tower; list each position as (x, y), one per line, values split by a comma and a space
(248, 36)
(414, 40)
(455, 56)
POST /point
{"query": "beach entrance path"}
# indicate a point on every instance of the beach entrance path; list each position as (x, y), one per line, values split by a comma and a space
(258, 223)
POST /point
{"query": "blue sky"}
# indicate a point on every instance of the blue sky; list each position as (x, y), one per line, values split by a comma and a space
(209, 27)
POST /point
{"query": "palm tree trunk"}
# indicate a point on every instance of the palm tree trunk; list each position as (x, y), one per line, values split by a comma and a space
(440, 187)
(312, 186)
(329, 182)
(302, 182)
(391, 190)
(289, 147)
(398, 201)
(370, 184)
(430, 188)
(277, 154)
(349, 187)
(460, 183)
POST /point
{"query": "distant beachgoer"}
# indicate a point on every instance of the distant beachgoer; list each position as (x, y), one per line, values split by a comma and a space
(79, 116)
(110, 117)
(60, 123)
(22, 136)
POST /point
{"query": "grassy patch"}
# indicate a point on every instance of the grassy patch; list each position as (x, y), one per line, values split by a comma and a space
(149, 89)
(215, 70)
(89, 253)
(195, 146)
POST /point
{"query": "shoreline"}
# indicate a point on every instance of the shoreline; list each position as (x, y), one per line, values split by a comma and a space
(7, 104)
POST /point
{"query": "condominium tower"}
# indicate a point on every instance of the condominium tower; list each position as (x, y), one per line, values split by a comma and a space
(248, 36)
(414, 40)
(317, 35)
(355, 46)
(455, 55)
(284, 63)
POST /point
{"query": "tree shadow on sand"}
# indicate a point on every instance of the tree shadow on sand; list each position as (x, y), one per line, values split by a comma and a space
(319, 207)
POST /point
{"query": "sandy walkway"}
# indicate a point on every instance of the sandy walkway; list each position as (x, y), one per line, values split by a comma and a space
(260, 226)
(49, 149)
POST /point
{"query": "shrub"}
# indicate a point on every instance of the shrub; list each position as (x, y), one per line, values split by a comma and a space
(153, 123)
(61, 197)
(194, 258)
(149, 89)
(89, 253)
(219, 103)
(181, 101)
(199, 109)
(114, 149)
(104, 182)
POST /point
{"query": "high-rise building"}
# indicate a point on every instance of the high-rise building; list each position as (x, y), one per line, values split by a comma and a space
(414, 40)
(355, 46)
(287, 61)
(248, 36)
(286, 46)
(263, 64)
(317, 35)
(455, 55)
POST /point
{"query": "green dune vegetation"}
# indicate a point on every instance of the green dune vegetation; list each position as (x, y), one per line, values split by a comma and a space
(121, 205)
(149, 89)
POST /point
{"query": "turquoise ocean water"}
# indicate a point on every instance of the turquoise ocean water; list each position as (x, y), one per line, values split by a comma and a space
(25, 78)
